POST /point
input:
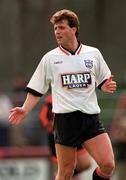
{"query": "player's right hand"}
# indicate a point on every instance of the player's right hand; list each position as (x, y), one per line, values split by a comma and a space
(16, 115)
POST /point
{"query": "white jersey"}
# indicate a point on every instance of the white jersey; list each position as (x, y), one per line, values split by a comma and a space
(73, 78)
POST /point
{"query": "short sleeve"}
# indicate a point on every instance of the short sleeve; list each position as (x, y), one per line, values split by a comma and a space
(39, 81)
(102, 70)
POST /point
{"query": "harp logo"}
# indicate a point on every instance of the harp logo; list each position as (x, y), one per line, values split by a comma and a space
(79, 80)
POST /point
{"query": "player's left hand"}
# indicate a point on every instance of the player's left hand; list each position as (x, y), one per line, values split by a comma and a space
(109, 86)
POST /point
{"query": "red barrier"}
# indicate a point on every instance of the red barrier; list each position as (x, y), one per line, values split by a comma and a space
(24, 151)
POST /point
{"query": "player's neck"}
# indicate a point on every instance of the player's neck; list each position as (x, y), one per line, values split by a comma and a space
(71, 46)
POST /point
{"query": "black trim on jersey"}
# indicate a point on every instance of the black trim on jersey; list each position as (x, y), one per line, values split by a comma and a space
(73, 53)
(100, 85)
(32, 91)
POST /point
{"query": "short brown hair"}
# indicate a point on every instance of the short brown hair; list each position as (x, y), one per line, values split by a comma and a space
(68, 15)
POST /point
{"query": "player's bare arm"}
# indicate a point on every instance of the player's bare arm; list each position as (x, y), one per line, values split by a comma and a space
(109, 86)
(17, 114)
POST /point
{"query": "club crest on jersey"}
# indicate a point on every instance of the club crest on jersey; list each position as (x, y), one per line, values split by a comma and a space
(79, 80)
(88, 63)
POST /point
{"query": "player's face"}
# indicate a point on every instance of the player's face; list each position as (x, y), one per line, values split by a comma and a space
(64, 33)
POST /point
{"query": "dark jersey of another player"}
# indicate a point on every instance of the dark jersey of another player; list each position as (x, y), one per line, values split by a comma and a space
(46, 114)
(47, 118)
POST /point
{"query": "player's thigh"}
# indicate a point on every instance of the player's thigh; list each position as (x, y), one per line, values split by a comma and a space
(100, 148)
(66, 156)
(83, 160)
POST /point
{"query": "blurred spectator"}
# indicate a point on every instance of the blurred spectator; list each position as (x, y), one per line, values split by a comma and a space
(118, 135)
(19, 84)
(29, 132)
(5, 106)
(19, 95)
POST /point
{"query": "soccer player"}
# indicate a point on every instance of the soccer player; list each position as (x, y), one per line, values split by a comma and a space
(47, 119)
(73, 70)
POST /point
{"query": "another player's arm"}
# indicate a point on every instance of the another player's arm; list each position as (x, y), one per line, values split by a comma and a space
(17, 114)
(43, 115)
